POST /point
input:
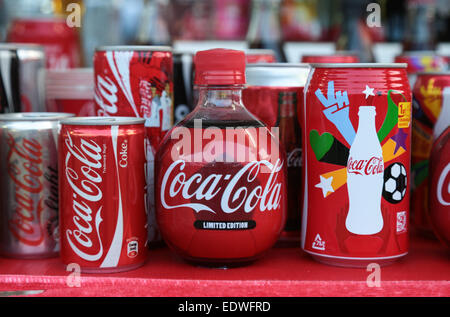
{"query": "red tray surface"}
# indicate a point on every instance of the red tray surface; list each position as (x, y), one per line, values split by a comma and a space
(425, 271)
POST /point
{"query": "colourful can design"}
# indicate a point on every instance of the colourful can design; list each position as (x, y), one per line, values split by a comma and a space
(356, 150)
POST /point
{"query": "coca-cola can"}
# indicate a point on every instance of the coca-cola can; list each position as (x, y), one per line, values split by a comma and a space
(102, 196)
(274, 94)
(338, 57)
(439, 192)
(21, 67)
(431, 116)
(137, 81)
(356, 167)
(29, 185)
(256, 56)
(61, 42)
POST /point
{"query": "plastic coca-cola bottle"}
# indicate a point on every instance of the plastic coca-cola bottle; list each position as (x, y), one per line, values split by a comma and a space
(365, 171)
(220, 175)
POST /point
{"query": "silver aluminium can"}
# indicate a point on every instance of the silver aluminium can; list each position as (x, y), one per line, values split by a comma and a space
(21, 77)
(29, 184)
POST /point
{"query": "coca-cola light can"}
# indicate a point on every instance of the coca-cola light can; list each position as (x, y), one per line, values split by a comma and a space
(21, 70)
(356, 150)
(137, 81)
(274, 94)
(102, 196)
(29, 184)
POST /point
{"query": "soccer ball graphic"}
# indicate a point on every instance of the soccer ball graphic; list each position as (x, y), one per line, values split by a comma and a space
(395, 183)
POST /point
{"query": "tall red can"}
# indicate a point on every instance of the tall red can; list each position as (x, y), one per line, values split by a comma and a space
(431, 116)
(61, 42)
(356, 150)
(274, 94)
(137, 81)
(102, 193)
(29, 184)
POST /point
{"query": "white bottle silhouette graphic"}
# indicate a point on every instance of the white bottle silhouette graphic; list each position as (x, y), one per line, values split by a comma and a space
(365, 175)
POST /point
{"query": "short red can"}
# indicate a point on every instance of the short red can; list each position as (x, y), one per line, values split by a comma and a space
(102, 193)
(356, 150)
(61, 42)
(137, 81)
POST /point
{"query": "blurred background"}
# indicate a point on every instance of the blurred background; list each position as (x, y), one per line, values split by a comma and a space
(376, 31)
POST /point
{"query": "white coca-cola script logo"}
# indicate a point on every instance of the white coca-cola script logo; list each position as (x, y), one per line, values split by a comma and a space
(372, 166)
(106, 96)
(24, 165)
(443, 186)
(86, 192)
(207, 187)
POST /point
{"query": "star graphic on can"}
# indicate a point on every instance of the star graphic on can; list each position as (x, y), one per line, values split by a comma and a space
(368, 92)
(325, 185)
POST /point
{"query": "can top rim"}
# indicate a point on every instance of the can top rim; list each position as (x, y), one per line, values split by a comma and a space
(102, 121)
(150, 48)
(358, 65)
(435, 73)
(280, 65)
(35, 116)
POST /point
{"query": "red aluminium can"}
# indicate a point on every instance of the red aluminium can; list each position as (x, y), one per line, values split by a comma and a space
(356, 150)
(102, 193)
(338, 57)
(431, 116)
(61, 42)
(137, 81)
(274, 94)
(440, 187)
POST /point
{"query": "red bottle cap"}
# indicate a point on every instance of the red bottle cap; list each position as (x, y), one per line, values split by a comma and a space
(220, 67)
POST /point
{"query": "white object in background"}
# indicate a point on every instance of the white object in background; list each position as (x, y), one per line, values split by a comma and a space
(443, 120)
(194, 46)
(443, 49)
(295, 50)
(365, 176)
(386, 52)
